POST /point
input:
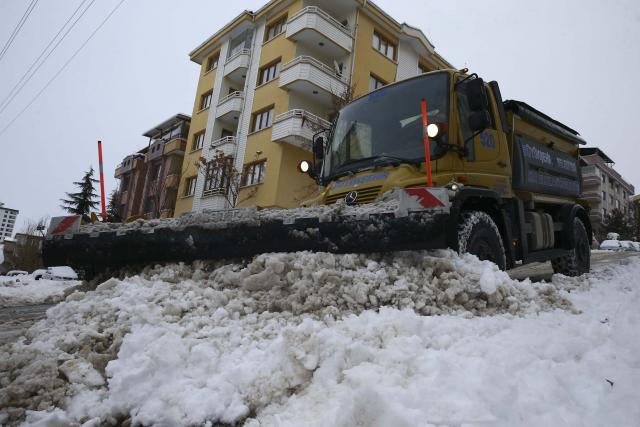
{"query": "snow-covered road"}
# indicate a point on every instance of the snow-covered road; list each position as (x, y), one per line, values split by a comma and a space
(320, 339)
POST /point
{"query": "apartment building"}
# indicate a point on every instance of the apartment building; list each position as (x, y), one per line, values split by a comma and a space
(7, 222)
(271, 79)
(603, 187)
(149, 178)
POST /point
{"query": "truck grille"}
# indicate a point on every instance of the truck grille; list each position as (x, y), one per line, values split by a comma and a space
(365, 195)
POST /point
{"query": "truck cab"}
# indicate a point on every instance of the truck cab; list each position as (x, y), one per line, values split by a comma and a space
(506, 160)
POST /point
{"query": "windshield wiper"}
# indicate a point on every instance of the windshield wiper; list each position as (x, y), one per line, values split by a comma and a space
(378, 160)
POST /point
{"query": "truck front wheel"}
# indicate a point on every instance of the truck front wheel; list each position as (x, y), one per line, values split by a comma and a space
(578, 261)
(479, 235)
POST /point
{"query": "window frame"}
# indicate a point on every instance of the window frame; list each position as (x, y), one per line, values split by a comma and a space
(261, 166)
(376, 80)
(278, 22)
(217, 179)
(260, 114)
(198, 145)
(215, 58)
(190, 186)
(207, 95)
(273, 66)
(382, 43)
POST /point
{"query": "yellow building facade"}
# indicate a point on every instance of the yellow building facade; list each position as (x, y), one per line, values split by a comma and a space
(270, 80)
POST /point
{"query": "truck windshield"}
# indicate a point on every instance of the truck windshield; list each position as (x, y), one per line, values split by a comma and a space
(386, 126)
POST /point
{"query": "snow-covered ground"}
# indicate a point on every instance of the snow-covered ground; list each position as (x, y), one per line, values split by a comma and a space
(25, 290)
(343, 340)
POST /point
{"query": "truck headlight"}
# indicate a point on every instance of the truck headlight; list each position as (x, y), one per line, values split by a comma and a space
(433, 130)
(304, 166)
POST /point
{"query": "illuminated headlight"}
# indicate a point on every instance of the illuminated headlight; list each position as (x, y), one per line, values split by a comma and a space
(454, 186)
(304, 166)
(433, 130)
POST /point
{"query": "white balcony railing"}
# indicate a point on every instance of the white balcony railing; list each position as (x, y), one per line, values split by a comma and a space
(237, 64)
(308, 70)
(230, 104)
(297, 127)
(315, 21)
(224, 140)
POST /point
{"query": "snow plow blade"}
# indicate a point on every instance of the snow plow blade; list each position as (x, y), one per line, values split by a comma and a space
(404, 224)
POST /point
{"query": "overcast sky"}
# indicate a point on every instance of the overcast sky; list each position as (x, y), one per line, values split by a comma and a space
(575, 60)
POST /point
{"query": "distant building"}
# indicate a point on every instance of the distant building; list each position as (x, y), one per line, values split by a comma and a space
(603, 187)
(7, 222)
(149, 178)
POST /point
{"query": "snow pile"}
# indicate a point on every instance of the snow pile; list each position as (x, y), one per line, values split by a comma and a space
(321, 339)
(25, 290)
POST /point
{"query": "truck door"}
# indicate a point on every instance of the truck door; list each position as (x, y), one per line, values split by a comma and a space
(486, 161)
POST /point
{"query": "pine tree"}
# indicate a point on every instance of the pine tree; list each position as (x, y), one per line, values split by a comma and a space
(82, 202)
(113, 208)
(617, 222)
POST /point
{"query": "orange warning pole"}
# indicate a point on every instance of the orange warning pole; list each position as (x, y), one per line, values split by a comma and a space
(104, 209)
(427, 145)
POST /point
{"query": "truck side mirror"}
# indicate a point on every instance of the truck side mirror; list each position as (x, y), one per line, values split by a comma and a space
(318, 148)
(479, 121)
(477, 95)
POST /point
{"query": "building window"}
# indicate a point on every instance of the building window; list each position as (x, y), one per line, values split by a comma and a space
(212, 62)
(269, 72)
(190, 187)
(384, 46)
(205, 100)
(275, 28)
(217, 177)
(262, 119)
(375, 83)
(254, 173)
(423, 68)
(198, 140)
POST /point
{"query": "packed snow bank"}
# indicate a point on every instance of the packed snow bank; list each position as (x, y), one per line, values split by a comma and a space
(25, 290)
(321, 339)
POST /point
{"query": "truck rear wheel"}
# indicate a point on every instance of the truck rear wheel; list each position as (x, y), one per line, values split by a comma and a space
(479, 235)
(578, 261)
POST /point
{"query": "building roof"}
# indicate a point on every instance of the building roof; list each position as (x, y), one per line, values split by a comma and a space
(197, 55)
(167, 124)
(590, 151)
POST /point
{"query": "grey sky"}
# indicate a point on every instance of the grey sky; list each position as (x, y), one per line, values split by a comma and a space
(574, 60)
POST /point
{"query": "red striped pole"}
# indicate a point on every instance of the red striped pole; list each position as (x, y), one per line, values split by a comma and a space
(104, 209)
(427, 145)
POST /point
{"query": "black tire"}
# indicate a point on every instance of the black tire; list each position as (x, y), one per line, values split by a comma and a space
(479, 235)
(578, 261)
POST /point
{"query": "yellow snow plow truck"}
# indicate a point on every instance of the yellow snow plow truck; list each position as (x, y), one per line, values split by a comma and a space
(435, 161)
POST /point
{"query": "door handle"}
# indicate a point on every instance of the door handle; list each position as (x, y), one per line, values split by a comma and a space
(502, 164)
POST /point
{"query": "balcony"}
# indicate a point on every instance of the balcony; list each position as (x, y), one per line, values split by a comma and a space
(235, 69)
(172, 180)
(596, 215)
(229, 107)
(592, 196)
(127, 165)
(314, 27)
(591, 175)
(223, 141)
(313, 80)
(297, 127)
(175, 146)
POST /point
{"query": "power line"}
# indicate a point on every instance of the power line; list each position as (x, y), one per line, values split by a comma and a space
(104, 21)
(18, 27)
(22, 82)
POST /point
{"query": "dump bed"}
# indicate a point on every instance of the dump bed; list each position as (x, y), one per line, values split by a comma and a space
(544, 152)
